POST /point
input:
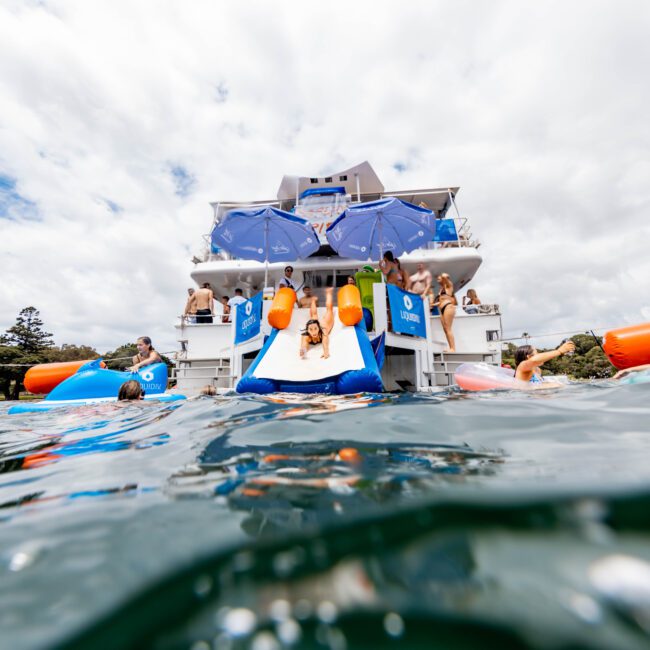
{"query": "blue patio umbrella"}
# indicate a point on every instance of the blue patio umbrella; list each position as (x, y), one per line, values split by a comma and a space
(368, 230)
(265, 234)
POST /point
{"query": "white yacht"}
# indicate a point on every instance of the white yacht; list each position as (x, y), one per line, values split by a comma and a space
(208, 354)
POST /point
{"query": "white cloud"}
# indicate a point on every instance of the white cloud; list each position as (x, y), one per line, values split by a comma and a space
(536, 110)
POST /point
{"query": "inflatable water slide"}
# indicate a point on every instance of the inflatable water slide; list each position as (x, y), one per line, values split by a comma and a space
(76, 383)
(352, 366)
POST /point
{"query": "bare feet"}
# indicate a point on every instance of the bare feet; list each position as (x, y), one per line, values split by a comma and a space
(329, 290)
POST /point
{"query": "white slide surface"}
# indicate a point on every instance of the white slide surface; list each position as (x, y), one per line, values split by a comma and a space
(282, 360)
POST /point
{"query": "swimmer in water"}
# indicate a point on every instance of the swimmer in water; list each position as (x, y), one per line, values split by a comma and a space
(130, 390)
(316, 333)
(528, 361)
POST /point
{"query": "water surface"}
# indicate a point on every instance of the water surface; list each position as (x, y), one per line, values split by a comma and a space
(500, 518)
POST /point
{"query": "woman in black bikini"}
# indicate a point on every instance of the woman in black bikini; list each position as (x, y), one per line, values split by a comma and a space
(314, 333)
(446, 303)
(146, 354)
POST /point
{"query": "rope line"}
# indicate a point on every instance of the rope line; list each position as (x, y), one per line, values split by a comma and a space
(541, 336)
(106, 361)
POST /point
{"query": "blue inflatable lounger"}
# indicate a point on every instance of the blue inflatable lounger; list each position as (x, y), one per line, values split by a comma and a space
(278, 367)
(92, 384)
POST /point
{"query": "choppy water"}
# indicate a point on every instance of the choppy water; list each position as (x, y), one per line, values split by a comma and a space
(449, 520)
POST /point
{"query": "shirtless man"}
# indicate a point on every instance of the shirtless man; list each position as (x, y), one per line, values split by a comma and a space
(306, 300)
(421, 280)
(190, 307)
(204, 303)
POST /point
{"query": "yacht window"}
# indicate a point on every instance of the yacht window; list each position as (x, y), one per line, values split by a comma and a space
(328, 180)
(492, 335)
(313, 181)
(343, 178)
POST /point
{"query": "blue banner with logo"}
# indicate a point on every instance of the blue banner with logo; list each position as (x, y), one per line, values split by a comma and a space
(406, 312)
(248, 319)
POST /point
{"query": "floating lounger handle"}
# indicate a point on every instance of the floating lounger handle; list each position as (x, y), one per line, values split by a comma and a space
(282, 308)
(349, 304)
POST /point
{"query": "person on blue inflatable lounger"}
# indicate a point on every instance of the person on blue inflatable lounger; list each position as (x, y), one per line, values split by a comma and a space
(315, 333)
(146, 354)
(528, 361)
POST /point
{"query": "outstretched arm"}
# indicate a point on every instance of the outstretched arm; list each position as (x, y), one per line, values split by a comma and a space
(542, 357)
(303, 347)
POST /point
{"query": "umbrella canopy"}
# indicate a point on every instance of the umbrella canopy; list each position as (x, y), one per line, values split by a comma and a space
(265, 234)
(368, 230)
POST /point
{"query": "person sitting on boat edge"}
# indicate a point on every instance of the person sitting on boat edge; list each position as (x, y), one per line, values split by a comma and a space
(470, 300)
(146, 354)
(130, 390)
(315, 333)
(528, 361)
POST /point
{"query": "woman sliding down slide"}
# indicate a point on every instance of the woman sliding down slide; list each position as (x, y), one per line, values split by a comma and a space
(316, 334)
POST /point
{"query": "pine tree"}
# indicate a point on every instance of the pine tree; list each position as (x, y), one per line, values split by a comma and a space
(28, 334)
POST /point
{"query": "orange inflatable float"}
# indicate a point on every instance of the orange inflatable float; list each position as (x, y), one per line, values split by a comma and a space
(628, 346)
(45, 377)
(349, 304)
(282, 308)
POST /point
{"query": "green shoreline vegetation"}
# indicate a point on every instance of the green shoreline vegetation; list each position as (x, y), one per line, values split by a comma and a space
(26, 343)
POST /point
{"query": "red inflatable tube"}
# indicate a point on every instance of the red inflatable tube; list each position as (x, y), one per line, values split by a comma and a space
(628, 346)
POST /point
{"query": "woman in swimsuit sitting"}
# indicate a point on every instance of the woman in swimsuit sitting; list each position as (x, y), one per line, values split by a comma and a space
(314, 333)
(146, 354)
(528, 361)
(446, 303)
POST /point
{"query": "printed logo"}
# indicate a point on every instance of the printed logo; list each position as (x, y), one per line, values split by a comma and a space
(408, 303)
(226, 235)
(420, 233)
(147, 375)
(337, 233)
(248, 308)
(278, 248)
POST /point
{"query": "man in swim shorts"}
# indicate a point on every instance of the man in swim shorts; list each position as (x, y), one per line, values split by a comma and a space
(204, 300)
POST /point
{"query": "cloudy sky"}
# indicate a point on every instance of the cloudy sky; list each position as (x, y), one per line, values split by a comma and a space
(121, 120)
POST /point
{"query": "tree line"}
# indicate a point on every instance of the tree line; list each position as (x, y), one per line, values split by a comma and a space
(26, 343)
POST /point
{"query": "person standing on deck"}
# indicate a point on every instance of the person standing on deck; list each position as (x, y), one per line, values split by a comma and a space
(421, 280)
(204, 298)
(190, 307)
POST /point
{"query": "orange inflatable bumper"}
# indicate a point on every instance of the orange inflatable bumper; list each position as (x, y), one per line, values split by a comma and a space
(349, 304)
(282, 308)
(47, 376)
(628, 346)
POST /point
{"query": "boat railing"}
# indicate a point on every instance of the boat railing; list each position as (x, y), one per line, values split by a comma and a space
(190, 320)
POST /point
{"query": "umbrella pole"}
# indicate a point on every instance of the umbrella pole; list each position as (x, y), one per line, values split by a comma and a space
(381, 251)
(266, 252)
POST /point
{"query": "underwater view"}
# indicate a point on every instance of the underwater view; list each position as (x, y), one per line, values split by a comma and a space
(495, 519)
